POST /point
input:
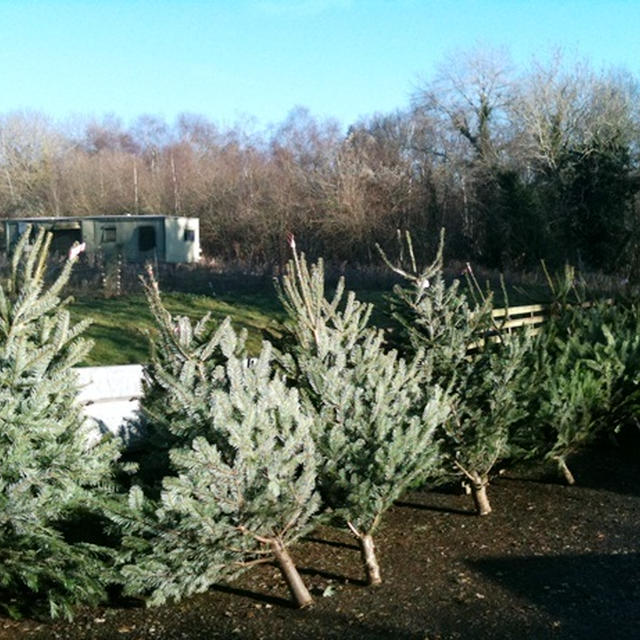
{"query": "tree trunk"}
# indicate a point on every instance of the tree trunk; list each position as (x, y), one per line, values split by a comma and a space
(565, 471)
(479, 492)
(136, 196)
(298, 590)
(368, 553)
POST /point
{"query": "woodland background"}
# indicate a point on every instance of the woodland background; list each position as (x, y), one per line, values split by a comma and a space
(517, 164)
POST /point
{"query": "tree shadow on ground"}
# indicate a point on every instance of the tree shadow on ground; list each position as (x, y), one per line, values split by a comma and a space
(329, 575)
(609, 464)
(430, 507)
(331, 543)
(254, 595)
(615, 469)
(591, 596)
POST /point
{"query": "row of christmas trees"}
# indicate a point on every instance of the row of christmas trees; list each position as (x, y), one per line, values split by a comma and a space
(243, 456)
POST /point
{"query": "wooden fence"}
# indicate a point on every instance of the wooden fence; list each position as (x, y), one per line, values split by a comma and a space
(531, 315)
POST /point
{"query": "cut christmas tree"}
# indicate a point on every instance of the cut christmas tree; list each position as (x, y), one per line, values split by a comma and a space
(240, 487)
(581, 375)
(470, 356)
(52, 472)
(377, 416)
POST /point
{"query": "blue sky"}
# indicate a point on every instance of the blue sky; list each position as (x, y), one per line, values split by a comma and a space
(232, 60)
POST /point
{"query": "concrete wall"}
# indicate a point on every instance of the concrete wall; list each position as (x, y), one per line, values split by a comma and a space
(111, 396)
(180, 247)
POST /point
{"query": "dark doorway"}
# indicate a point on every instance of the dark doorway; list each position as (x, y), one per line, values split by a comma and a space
(63, 239)
(146, 238)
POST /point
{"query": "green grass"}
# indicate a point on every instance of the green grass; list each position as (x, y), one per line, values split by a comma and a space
(121, 326)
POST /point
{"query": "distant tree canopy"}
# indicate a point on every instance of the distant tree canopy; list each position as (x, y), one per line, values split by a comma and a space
(517, 165)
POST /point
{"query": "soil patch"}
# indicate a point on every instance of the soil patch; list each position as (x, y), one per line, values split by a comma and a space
(550, 562)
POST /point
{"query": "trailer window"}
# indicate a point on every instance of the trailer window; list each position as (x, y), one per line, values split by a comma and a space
(108, 234)
(189, 235)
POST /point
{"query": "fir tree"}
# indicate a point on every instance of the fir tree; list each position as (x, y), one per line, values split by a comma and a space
(240, 487)
(470, 356)
(569, 398)
(623, 329)
(580, 375)
(185, 360)
(50, 470)
(486, 403)
(432, 314)
(377, 416)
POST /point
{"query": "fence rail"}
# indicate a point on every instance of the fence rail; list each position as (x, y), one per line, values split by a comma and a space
(531, 315)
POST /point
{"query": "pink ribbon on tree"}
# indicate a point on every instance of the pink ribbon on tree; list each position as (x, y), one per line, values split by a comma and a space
(76, 250)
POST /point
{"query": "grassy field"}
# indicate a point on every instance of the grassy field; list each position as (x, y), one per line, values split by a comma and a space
(121, 326)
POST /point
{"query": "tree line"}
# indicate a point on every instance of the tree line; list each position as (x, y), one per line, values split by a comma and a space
(518, 164)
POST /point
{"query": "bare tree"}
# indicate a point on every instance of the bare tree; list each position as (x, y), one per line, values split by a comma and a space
(558, 108)
(466, 107)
